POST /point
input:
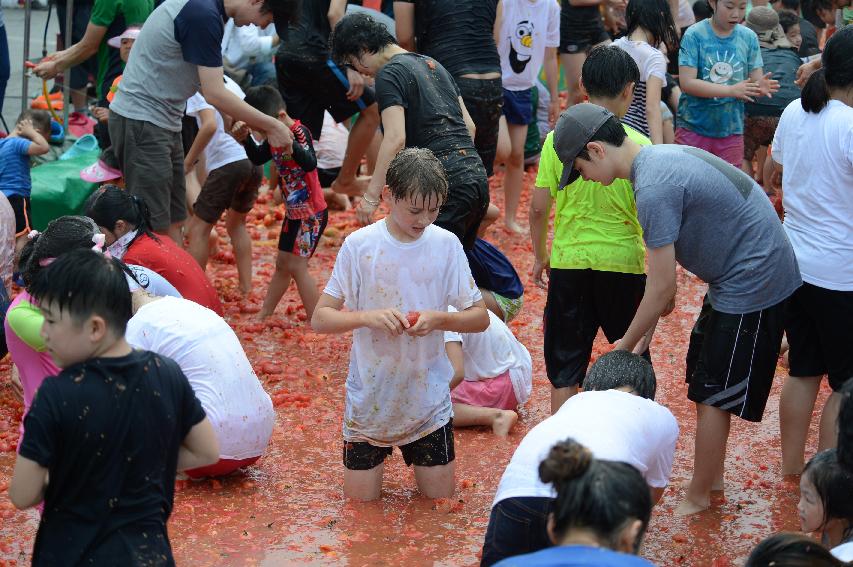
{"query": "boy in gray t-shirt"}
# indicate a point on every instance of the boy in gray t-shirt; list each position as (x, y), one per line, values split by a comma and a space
(716, 222)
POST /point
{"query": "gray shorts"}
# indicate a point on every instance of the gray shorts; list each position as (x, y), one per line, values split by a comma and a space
(152, 160)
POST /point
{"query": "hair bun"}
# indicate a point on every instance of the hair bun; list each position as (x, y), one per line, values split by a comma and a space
(566, 461)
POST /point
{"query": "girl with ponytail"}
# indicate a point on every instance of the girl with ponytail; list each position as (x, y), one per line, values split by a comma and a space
(813, 151)
(126, 222)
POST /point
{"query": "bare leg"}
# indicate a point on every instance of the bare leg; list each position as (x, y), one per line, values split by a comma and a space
(279, 283)
(560, 395)
(829, 422)
(504, 146)
(235, 224)
(438, 481)
(359, 139)
(712, 433)
(514, 176)
(491, 304)
(176, 233)
(760, 157)
(305, 284)
(373, 151)
(198, 233)
(492, 214)
(336, 201)
(796, 405)
(668, 132)
(501, 421)
(572, 64)
(364, 485)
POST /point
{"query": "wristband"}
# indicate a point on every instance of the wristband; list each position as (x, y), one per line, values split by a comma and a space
(369, 202)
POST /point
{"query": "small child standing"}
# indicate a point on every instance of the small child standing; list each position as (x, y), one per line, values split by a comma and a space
(529, 36)
(397, 392)
(492, 376)
(232, 184)
(720, 68)
(110, 430)
(299, 187)
(29, 138)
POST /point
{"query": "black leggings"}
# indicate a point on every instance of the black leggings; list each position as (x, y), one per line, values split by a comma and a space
(516, 526)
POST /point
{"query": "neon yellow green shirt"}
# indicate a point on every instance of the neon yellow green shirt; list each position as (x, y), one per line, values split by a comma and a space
(595, 227)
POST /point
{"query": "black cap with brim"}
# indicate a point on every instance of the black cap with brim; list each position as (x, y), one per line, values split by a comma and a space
(574, 129)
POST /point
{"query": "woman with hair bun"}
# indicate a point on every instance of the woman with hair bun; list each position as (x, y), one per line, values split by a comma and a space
(600, 514)
(813, 150)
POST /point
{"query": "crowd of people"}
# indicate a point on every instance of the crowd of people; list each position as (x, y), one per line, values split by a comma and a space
(717, 136)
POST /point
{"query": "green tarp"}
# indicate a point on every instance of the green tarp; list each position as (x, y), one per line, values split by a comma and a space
(58, 189)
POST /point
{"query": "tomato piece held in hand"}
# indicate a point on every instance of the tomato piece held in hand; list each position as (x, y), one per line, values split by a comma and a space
(412, 317)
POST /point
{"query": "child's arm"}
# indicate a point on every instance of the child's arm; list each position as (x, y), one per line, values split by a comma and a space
(475, 319)
(657, 298)
(200, 447)
(38, 145)
(328, 318)
(394, 139)
(552, 77)
(29, 481)
(499, 20)
(303, 150)
(207, 116)
(653, 113)
(457, 361)
(694, 86)
(767, 85)
(540, 212)
(404, 24)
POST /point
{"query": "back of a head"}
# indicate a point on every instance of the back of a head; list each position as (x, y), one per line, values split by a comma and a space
(39, 118)
(599, 496)
(791, 550)
(845, 426)
(702, 10)
(62, 235)
(788, 20)
(110, 204)
(654, 16)
(283, 10)
(607, 71)
(792, 5)
(86, 283)
(837, 71)
(356, 34)
(833, 483)
(620, 369)
(266, 99)
(415, 174)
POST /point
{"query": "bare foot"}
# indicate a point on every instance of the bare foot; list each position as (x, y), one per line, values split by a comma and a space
(213, 243)
(513, 226)
(688, 507)
(353, 187)
(718, 486)
(339, 201)
(504, 422)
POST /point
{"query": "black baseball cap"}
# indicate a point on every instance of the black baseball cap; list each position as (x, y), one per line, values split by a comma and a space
(575, 128)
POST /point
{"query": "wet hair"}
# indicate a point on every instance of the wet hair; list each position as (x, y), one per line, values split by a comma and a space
(266, 99)
(845, 426)
(791, 550)
(793, 5)
(62, 235)
(702, 10)
(619, 368)
(837, 71)
(283, 11)
(834, 485)
(415, 173)
(39, 118)
(357, 34)
(607, 71)
(592, 494)
(655, 17)
(788, 20)
(86, 283)
(811, 11)
(110, 204)
(611, 132)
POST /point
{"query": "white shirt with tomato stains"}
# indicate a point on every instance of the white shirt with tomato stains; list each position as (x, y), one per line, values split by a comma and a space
(397, 389)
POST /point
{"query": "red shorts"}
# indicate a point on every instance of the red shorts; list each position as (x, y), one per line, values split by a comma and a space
(728, 149)
(221, 467)
(494, 392)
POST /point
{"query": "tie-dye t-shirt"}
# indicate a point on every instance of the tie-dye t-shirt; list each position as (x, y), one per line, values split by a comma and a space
(723, 61)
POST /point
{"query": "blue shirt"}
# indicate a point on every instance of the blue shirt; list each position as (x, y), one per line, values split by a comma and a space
(575, 556)
(723, 61)
(15, 167)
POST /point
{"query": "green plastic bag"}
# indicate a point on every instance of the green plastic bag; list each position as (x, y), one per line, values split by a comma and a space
(58, 189)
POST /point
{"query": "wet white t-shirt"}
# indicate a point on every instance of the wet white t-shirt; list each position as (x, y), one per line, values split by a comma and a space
(210, 355)
(614, 425)
(493, 352)
(397, 389)
(222, 148)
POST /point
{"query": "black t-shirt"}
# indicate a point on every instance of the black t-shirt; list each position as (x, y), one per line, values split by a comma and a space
(434, 120)
(579, 18)
(308, 40)
(458, 34)
(108, 430)
(809, 46)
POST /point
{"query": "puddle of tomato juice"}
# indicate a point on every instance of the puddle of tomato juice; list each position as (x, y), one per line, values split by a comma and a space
(289, 508)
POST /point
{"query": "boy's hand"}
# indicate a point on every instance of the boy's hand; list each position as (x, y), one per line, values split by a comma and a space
(364, 212)
(388, 320)
(25, 128)
(767, 85)
(356, 84)
(280, 136)
(553, 111)
(240, 131)
(100, 113)
(746, 90)
(540, 267)
(427, 322)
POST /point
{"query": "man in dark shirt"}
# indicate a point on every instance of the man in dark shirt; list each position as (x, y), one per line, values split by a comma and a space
(460, 34)
(809, 46)
(311, 83)
(421, 107)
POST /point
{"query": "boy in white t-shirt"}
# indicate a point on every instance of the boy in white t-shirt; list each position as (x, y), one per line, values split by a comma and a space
(397, 389)
(210, 354)
(492, 376)
(529, 36)
(232, 184)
